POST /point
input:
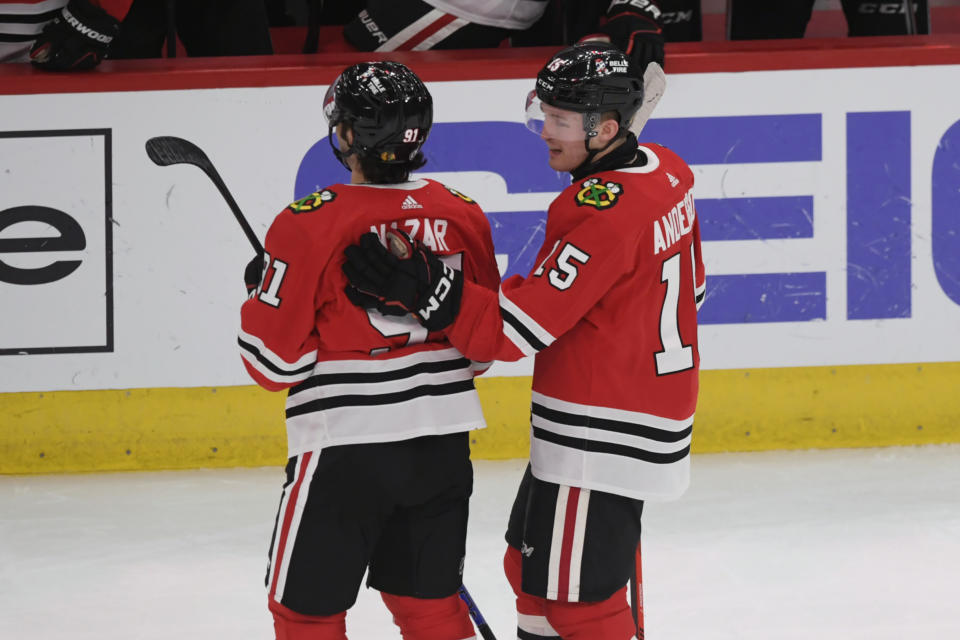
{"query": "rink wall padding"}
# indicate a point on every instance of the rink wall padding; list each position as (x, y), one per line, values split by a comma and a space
(827, 188)
(739, 410)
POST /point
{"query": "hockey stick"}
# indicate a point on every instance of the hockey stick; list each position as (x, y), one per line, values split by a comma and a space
(636, 590)
(168, 150)
(654, 84)
(908, 8)
(311, 43)
(171, 29)
(485, 631)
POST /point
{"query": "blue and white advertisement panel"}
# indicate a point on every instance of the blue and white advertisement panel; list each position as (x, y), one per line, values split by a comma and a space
(829, 203)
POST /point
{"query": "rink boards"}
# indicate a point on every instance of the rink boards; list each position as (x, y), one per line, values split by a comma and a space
(827, 198)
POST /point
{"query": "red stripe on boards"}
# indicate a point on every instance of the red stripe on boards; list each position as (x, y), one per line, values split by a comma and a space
(566, 547)
(427, 31)
(287, 519)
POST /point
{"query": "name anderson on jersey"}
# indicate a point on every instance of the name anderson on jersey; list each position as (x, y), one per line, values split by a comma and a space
(677, 223)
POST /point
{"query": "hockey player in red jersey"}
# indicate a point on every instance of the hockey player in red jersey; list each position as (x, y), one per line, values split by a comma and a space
(379, 408)
(610, 312)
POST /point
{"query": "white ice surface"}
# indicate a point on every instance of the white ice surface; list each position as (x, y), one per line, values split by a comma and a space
(846, 544)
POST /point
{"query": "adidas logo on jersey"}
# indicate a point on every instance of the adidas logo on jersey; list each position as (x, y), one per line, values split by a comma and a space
(410, 203)
(673, 181)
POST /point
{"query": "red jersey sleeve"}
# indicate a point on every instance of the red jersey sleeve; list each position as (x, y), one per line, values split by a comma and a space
(528, 314)
(278, 340)
(481, 265)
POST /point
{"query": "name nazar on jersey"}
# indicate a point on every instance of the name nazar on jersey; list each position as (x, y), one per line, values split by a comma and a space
(673, 226)
(432, 232)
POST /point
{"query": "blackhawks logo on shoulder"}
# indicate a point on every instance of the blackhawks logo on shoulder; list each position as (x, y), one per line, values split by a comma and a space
(312, 202)
(593, 193)
(463, 197)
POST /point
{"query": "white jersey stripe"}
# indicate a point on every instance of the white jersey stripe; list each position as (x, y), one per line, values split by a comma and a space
(421, 416)
(280, 363)
(381, 364)
(411, 30)
(522, 345)
(621, 475)
(373, 388)
(576, 556)
(556, 544)
(613, 437)
(252, 360)
(537, 625)
(509, 14)
(291, 533)
(480, 367)
(31, 8)
(278, 536)
(652, 164)
(21, 29)
(528, 323)
(638, 455)
(637, 417)
(442, 34)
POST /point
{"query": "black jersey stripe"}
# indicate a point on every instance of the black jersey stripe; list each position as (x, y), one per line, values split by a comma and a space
(269, 365)
(597, 446)
(18, 37)
(607, 424)
(520, 328)
(367, 400)
(700, 295)
(24, 18)
(370, 377)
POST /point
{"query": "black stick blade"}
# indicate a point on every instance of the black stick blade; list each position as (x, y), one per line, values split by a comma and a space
(168, 150)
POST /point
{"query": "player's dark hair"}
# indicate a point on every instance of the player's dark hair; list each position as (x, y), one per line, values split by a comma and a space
(378, 172)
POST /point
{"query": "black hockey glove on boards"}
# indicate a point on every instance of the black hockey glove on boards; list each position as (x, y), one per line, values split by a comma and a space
(408, 278)
(78, 38)
(633, 26)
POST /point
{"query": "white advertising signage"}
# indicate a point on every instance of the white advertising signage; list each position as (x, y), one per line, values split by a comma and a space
(828, 202)
(56, 281)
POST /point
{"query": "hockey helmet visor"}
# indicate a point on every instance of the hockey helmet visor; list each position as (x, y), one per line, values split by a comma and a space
(554, 123)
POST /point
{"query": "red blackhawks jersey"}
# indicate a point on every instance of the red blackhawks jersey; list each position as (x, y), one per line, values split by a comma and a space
(355, 375)
(610, 311)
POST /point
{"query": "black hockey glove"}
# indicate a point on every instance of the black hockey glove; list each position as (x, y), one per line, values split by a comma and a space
(370, 301)
(78, 38)
(634, 27)
(408, 278)
(253, 274)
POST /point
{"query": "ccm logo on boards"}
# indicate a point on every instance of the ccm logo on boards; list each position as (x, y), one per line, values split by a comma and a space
(56, 244)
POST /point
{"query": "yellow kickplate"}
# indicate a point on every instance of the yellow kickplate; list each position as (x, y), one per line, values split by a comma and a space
(738, 410)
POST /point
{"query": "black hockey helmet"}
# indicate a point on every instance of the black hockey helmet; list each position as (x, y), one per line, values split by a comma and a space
(591, 78)
(388, 108)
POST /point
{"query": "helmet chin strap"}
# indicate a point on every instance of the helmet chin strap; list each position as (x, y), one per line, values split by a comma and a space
(592, 153)
(619, 156)
(590, 122)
